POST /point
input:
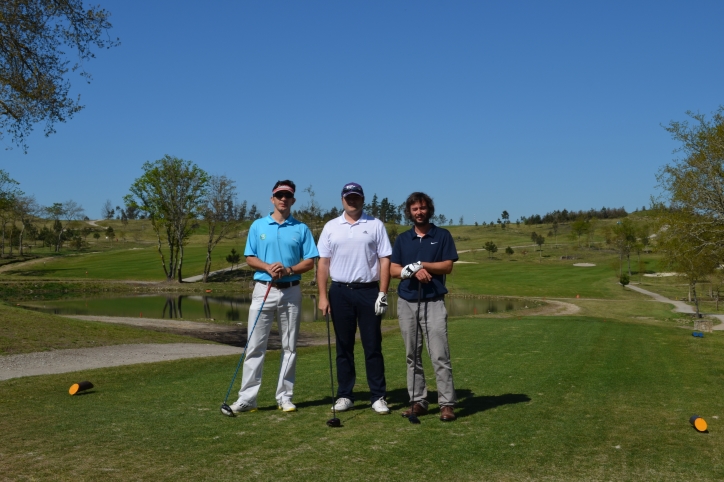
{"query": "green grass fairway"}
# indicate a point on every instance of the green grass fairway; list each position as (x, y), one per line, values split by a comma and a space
(530, 278)
(569, 398)
(137, 263)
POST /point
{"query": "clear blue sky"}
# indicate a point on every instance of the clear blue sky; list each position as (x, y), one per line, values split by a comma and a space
(526, 106)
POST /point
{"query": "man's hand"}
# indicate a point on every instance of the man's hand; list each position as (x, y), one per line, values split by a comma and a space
(324, 306)
(423, 276)
(381, 304)
(275, 270)
(409, 270)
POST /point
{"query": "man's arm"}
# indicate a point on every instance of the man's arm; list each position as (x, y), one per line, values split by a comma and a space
(322, 277)
(429, 269)
(275, 270)
(384, 274)
(302, 267)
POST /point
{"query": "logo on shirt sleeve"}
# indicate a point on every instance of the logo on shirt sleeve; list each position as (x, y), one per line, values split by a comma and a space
(263, 236)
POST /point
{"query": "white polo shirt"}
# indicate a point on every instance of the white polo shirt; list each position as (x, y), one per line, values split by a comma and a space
(354, 249)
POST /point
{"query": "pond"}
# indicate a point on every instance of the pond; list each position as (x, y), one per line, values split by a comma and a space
(235, 308)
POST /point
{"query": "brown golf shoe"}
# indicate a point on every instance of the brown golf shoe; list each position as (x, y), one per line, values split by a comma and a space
(447, 414)
(418, 409)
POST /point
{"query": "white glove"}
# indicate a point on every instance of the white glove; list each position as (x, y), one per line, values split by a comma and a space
(381, 304)
(410, 270)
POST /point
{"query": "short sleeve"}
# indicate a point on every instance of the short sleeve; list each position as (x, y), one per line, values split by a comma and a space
(309, 250)
(251, 241)
(323, 247)
(384, 248)
(449, 252)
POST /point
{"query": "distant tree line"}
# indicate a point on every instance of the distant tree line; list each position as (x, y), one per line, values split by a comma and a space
(565, 215)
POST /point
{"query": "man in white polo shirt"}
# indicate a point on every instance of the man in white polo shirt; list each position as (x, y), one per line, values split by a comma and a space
(355, 251)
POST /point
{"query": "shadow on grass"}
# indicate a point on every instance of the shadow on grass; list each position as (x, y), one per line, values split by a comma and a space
(469, 403)
(397, 399)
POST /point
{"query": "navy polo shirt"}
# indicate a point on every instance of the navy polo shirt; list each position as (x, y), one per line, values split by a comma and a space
(436, 245)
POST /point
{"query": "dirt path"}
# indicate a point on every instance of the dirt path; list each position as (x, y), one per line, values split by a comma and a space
(679, 306)
(64, 361)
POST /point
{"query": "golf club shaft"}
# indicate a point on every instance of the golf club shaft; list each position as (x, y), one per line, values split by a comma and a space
(331, 374)
(243, 354)
(414, 358)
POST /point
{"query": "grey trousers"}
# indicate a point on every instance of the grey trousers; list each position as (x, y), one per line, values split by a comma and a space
(433, 328)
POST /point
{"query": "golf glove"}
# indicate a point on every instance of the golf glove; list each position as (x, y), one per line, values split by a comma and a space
(381, 304)
(410, 270)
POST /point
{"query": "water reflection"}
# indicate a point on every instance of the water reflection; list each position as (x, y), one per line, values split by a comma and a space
(236, 308)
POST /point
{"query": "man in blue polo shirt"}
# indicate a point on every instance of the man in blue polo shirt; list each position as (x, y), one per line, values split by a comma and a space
(280, 249)
(422, 257)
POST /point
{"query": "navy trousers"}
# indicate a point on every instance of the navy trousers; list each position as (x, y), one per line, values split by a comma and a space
(351, 308)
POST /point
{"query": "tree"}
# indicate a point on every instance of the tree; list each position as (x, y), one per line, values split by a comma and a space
(491, 248)
(540, 240)
(684, 252)
(220, 214)
(8, 193)
(509, 251)
(172, 192)
(233, 258)
(461, 221)
(63, 214)
(253, 214)
(108, 211)
(579, 227)
(622, 236)
(34, 38)
(694, 182)
(506, 217)
(25, 208)
(591, 229)
(554, 228)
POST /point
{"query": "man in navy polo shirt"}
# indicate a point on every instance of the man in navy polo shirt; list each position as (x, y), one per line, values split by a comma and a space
(354, 251)
(280, 249)
(422, 257)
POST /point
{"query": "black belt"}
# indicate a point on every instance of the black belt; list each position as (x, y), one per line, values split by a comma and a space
(356, 286)
(280, 285)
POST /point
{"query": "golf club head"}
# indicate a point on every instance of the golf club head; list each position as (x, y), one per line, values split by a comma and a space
(226, 410)
(334, 422)
(413, 419)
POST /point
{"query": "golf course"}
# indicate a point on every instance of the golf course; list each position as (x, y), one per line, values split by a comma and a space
(594, 381)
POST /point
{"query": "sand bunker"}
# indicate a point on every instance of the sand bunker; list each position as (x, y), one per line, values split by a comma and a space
(584, 265)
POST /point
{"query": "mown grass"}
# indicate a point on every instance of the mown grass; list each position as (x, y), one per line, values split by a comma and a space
(541, 399)
(23, 331)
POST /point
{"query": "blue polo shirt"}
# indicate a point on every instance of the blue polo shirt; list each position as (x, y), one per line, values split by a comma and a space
(287, 243)
(436, 245)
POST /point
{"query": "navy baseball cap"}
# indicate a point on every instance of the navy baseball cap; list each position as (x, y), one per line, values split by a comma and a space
(352, 188)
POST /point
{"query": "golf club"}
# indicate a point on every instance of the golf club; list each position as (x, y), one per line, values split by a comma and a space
(413, 418)
(334, 421)
(225, 408)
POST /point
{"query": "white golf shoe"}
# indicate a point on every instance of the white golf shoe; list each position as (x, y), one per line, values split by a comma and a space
(343, 404)
(239, 406)
(286, 406)
(380, 406)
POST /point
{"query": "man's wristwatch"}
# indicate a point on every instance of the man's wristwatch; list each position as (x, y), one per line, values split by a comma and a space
(291, 271)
